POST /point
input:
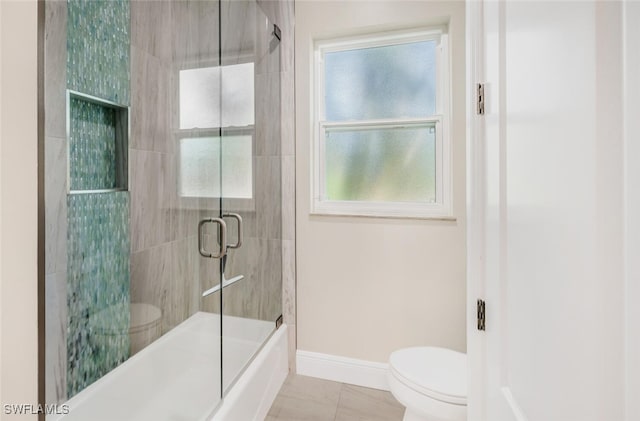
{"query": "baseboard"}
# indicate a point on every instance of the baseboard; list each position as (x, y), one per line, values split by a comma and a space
(342, 369)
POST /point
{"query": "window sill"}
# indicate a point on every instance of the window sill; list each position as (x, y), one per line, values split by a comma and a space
(382, 216)
(383, 210)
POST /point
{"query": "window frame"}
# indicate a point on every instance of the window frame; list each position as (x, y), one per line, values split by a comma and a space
(442, 208)
(244, 204)
(239, 204)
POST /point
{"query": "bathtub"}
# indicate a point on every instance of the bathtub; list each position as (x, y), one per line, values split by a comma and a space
(177, 378)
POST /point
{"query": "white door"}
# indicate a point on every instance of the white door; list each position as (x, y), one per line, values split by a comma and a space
(546, 212)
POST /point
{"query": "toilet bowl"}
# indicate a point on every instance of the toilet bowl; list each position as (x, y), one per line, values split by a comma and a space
(111, 326)
(430, 382)
(146, 325)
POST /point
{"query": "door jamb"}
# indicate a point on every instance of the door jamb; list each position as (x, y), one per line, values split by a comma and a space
(476, 187)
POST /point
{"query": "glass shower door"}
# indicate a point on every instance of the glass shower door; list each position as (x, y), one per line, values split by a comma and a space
(163, 243)
(133, 186)
(251, 201)
(195, 113)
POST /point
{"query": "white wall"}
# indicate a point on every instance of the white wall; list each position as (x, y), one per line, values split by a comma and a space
(367, 286)
(18, 197)
(631, 51)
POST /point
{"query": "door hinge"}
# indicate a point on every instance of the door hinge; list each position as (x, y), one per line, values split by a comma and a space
(481, 314)
(276, 32)
(279, 321)
(480, 99)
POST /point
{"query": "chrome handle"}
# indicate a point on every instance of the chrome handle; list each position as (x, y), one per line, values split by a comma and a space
(238, 218)
(223, 238)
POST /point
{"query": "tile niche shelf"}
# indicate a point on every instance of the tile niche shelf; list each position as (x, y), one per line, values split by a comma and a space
(98, 144)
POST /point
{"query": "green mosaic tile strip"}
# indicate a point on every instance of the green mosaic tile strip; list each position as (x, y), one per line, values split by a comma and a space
(98, 286)
(98, 48)
(92, 146)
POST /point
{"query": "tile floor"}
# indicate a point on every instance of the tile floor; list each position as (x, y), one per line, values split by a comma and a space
(309, 399)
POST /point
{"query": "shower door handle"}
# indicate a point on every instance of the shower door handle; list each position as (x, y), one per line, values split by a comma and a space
(238, 219)
(223, 238)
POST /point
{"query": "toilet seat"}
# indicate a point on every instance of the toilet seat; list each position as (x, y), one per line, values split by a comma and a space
(438, 373)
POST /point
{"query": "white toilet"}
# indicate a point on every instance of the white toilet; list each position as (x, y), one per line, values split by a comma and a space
(144, 325)
(430, 382)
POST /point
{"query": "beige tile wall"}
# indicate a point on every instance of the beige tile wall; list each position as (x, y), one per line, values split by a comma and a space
(283, 14)
(55, 199)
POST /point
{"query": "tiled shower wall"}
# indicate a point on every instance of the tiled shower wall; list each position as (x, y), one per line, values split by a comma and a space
(283, 14)
(98, 48)
(97, 286)
(259, 259)
(164, 259)
(162, 267)
(56, 200)
(98, 251)
(111, 227)
(167, 270)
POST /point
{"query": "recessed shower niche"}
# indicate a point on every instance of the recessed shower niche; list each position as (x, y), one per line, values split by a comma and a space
(98, 133)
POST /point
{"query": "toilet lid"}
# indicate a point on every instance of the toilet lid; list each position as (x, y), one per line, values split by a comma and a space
(436, 372)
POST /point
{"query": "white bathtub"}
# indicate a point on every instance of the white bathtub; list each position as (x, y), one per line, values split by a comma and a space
(177, 378)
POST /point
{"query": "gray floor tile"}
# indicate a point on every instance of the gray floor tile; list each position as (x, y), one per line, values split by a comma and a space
(311, 389)
(309, 399)
(294, 409)
(361, 403)
(306, 398)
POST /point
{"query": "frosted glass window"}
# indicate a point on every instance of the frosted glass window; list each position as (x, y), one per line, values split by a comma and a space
(395, 165)
(200, 99)
(200, 160)
(381, 144)
(393, 81)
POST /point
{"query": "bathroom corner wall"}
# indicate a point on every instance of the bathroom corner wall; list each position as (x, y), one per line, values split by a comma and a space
(283, 14)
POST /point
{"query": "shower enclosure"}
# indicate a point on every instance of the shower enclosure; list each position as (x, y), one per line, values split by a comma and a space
(162, 203)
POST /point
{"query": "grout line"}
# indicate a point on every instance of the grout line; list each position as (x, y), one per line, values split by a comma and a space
(335, 415)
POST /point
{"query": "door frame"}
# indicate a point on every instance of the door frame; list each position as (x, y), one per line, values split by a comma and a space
(485, 203)
(475, 211)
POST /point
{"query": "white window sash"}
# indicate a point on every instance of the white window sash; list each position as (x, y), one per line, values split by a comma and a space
(213, 202)
(438, 209)
(443, 207)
